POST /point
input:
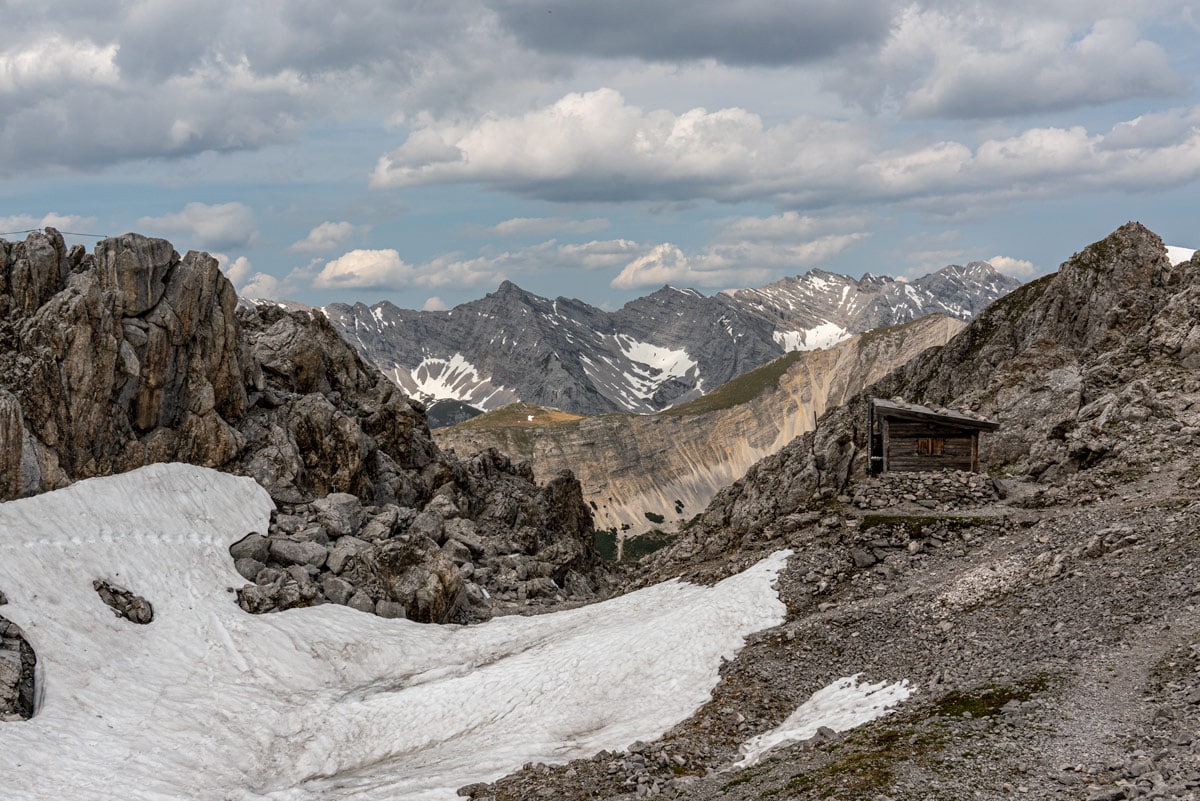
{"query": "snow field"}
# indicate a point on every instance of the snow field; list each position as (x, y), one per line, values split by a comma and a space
(208, 702)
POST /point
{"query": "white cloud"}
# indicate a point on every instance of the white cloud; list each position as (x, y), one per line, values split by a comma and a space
(238, 270)
(667, 264)
(365, 269)
(546, 226)
(434, 303)
(735, 262)
(596, 146)
(790, 226)
(597, 254)
(384, 269)
(327, 236)
(220, 226)
(1017, 268)
(52, 61)
(63, 222)
(973, 60)
(262, 285)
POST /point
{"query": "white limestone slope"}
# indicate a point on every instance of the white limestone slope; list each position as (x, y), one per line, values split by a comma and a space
(208, 702)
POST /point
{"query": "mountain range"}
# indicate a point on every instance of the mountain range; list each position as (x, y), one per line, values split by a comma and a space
(655, 352)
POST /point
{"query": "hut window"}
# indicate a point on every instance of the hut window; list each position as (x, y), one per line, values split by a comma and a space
(930, 447)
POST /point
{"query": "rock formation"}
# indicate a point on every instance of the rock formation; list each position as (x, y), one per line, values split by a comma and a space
(1064, 364)
(132, 355)
(639, 469)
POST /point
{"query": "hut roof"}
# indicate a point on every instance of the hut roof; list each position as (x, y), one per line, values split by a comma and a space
(903, 410)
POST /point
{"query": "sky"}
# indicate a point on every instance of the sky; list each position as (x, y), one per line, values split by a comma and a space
(422, 152)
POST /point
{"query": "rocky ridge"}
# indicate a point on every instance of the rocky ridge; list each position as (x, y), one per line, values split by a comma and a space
(132, 355)
(1051, 638)
(641, 472)
(655, 352)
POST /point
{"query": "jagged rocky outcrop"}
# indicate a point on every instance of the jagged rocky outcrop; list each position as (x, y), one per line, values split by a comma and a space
(1049, 638)
(1064, 363)
(17, 661)
(651, 471)
(132, 355)
(655, 352)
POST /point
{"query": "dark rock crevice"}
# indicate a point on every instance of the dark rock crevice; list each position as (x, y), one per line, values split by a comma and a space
(17, 668)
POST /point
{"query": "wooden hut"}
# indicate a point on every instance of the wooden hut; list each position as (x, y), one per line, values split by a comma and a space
(910, 437)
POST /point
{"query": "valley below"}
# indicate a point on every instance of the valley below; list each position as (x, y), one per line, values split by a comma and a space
(645, 472)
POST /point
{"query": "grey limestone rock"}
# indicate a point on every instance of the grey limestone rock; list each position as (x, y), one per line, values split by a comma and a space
(248, 568)
(337, 590)
(390, 610)
(253, 546)
(124, 603)
(341, 513)
(290, 552)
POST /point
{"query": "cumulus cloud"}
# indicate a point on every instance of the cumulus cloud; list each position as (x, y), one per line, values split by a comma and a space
(748, 251)
(667, 264)
(93, 84)
(262, 286)
(975, 60)
(384, 269)
(217, 227)
(51, 61)
(434, 303)
(239, 271)
(546, 226)
(1017, 268)
(597, 146)
(759, 32)
(63, 222)
(789, 226)
(327, 236)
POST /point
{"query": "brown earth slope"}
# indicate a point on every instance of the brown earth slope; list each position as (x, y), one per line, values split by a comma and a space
(643, 471)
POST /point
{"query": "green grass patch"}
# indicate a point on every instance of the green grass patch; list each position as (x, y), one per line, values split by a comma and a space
(987, 701)
(644, 544)
(864, 770)
(742, 389)
(605, 543)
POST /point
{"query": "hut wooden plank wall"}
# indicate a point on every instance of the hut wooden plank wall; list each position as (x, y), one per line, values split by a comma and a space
(911, 438)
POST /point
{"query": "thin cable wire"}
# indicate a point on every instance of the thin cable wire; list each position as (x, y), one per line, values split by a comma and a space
(39, 230)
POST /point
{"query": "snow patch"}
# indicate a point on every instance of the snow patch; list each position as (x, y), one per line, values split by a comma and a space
(825, 335)
(454, 379)
(673, 363)
(842, 705)
(213, 704)
(1178, 255)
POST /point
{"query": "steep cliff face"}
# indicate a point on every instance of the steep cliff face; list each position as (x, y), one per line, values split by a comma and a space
(133, 355)
(640, 472)
(1082, 369)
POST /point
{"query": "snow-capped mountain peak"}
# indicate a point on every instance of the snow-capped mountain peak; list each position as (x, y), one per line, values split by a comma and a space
(656, 351)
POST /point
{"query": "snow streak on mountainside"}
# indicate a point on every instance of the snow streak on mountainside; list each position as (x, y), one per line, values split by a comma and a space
(655, 352)
(212, 704)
